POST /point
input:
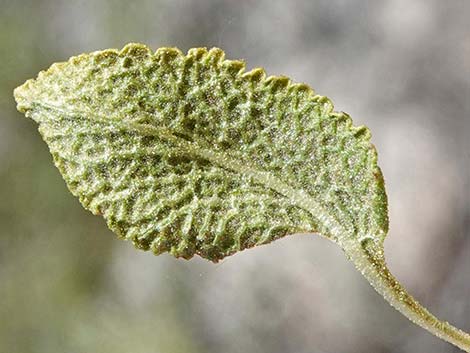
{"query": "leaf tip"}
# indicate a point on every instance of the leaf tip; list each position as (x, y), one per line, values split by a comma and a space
(21, 93)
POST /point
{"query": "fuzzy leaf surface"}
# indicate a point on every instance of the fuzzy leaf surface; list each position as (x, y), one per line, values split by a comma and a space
(191, 154)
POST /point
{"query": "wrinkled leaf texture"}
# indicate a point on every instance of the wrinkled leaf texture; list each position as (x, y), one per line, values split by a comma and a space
(193, 155)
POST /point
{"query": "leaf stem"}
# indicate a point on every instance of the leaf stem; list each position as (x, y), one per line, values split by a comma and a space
(370, 261)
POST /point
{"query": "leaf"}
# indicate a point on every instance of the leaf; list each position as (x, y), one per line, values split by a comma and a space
(191, 154)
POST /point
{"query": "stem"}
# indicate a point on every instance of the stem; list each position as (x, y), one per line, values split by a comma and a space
(370, 261)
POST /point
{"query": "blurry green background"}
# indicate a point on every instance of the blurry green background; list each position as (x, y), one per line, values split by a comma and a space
(400, 67)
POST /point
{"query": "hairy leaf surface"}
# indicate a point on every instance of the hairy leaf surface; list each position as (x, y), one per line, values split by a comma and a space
(193, 155)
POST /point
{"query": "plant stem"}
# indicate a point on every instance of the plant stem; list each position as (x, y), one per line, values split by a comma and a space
(370, 261)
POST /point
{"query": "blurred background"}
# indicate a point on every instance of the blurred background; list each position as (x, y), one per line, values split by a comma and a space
(400, 67)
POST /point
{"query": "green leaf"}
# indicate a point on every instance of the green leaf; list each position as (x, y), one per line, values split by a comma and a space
(191, 154)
